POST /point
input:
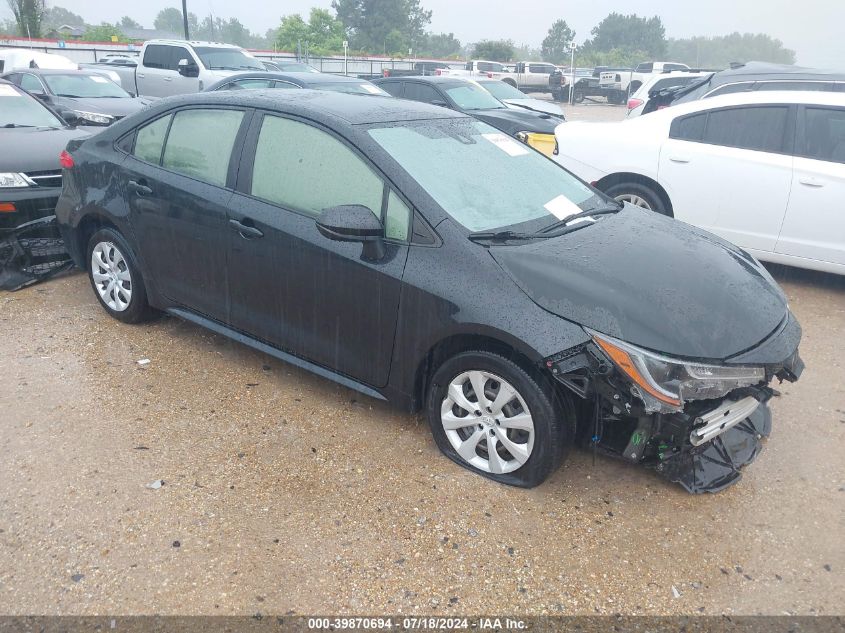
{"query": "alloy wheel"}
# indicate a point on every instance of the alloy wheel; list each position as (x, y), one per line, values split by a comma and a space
(487, 422)
(634, 199)
(112, 279)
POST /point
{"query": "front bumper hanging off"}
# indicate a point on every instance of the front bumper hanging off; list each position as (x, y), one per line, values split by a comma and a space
(703, 446)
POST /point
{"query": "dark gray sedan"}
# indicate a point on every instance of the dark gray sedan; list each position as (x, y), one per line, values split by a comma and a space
(92, 98)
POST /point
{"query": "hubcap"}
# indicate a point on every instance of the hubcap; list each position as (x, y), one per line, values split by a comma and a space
(634, 199)
(111, 276)
(487, 422)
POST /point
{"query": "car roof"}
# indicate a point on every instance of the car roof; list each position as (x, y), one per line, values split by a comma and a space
(192, 43)
(766, 70)
(319, 105)
(429, 79)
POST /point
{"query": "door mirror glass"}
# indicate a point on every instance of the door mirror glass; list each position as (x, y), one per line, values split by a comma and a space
(70, 117)
(188, 68)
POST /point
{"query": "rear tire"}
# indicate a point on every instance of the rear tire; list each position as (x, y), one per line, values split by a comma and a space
(639, 195)
(116, 278)
(517, 417)
(578, 96)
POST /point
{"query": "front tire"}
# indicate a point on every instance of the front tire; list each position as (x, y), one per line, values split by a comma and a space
(639, 195)
(116, 278)
(514, 432)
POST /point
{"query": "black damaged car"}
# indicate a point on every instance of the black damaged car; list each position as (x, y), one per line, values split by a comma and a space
(524, 312)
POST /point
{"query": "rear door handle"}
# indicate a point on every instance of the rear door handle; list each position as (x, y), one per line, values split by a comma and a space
(247, 232)
(679, 159)
(811, 182)
(139, 188)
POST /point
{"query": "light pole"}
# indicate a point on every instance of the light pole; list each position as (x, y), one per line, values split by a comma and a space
(185, 18)
(345, 57)
(572, 47)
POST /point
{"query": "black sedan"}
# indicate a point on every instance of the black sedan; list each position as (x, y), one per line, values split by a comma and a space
(32, 137)
(353, 237)
(464, 95)
(310, 80)
(92, 98)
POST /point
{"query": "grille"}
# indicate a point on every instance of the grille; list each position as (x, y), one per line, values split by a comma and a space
(52, 178)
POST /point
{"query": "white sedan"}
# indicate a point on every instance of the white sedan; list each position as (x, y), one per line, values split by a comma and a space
(764, 170)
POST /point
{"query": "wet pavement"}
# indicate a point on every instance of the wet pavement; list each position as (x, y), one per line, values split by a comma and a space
(283, 492)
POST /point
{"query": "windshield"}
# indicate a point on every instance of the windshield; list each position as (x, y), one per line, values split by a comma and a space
(351, 87)
(501, 90)
(473, 97)
(20, 110)
(87, 86)
(215, 58)
(295, 68)
(482, 178)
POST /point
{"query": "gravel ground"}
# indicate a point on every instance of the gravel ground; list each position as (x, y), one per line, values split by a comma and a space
(283, 492)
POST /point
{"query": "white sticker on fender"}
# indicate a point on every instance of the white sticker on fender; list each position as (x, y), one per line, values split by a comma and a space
(98, 79)
(562, 207)
(507, 145)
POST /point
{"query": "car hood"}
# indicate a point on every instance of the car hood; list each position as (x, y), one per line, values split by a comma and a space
(652, 281)
(36, 149)
(535, 105)
(117, 107)
(512, 121)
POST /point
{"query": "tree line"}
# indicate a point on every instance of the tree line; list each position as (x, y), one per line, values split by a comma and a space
(399, 28)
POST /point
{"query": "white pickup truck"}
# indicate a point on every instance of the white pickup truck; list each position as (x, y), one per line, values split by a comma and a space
(172, 67)
(532, 76)
(478, 68)
(618, 83)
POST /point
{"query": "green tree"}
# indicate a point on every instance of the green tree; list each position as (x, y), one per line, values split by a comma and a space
(555, 48)
(381, 26)
(323, 33)
(494, 50)
(104, 33)
(128, 23)
(720, 51)
(29, 15)
(630, 33)
(170, 19)
(54, 17)
(440, 45)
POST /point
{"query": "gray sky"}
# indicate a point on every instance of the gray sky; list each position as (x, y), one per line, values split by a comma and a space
(813, 28)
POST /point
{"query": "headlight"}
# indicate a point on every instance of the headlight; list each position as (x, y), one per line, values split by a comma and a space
(673, 381)
(94, 117)
(522, 136)
(12, 180)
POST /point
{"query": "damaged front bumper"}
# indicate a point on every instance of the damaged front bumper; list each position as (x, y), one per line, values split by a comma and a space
(700, 444)
(30, 253)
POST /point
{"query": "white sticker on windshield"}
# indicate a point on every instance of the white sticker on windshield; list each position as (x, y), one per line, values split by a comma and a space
(507, 145)
(562, 207)
(99, 80)
(371, 89)
(8, 91)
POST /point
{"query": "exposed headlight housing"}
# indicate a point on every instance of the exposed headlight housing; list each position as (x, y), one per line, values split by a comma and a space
(94, 117)
(14, 181)
(666, 383)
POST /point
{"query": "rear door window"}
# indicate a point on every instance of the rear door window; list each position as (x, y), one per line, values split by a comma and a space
(824, 134)
(761, 128)
(150, 140)
(688, 128)
(421, 92)
(393, 87)
(156, 56)
(200, 143)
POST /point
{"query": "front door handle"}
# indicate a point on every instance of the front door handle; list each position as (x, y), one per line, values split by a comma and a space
(247, 232)
(811, 182)
(140, 188)
(679, 159)
(168, 78)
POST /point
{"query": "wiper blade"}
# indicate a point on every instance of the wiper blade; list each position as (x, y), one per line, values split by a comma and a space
(565, 222)
(11, 125)
(501, 236)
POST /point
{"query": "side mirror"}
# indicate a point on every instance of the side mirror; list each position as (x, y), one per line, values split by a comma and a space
(354, 223)
(188, 68)
(441, 103)
(70, 117)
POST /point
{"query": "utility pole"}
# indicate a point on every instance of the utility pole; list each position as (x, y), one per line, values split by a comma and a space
(572, 47)
(346, 57)
(185, 18)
